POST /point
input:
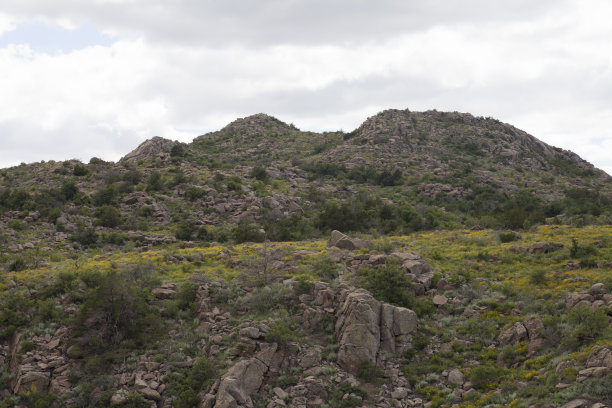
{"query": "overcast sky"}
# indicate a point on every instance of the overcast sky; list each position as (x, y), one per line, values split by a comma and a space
(95, 78)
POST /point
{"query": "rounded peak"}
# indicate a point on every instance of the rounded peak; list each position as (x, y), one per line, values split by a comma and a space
(254, 123)
(149, 147)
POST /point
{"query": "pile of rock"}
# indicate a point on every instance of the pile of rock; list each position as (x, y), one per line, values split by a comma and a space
(596, 296)
(44, 368)
(538, 248)
(530, 330)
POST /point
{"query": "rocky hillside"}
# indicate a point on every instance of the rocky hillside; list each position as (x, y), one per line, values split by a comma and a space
(258, 178)
(475, 271)
(476, 321)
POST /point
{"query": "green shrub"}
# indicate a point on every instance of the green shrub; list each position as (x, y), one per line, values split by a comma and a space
(185, 230)
(193, 193)
(155, 182)
(202, 373)
(259, 173)
(178, 151)
(118, 305)
(85, 236)
(26, 346)
(36, 399)
(184, 388)
(16, 225)
(388, 283)
(114, 238)
(486, 376)
(145, 211)
(282, 332)
(247, 232)
(109, 216)
(186, 295)
(135, 400)
(80, 170)
(508, 236)
(265, 299)
(369, 372)
(336, 397)
(586, 326)
(106, 196)
(69, 190)
(17, 264)
(538, 277)
(580, 251)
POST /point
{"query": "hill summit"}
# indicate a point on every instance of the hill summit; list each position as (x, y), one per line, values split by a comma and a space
(399, 171)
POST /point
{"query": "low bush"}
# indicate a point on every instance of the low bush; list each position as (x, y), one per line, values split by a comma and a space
(108, 216)
(186, 295)
(282, 331)
(508, 236)
(486, 376)
(80, 170)
(184, 387)
(369, 372)
(388, 283)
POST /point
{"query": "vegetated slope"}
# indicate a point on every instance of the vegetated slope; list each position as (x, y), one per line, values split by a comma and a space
(258, 178)
(138, 283)
(451, 318)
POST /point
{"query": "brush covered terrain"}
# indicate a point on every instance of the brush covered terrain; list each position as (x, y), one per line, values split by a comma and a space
(476, 271)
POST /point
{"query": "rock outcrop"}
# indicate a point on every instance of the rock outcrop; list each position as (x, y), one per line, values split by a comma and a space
(149, 148)
(244, 379)
(342, 241)
(369, 330)
(593, 298)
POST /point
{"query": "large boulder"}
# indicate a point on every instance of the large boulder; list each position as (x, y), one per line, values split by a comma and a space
(369, 330)
(396, 326)
(534, 327)
(514, 334)
(244, 379)
(342, 241)
(358, 330)
(544, 247)
(600, 357)
(30, 380)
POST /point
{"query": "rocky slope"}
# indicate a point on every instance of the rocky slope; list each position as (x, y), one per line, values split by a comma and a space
(201, 274)
(295, 327)
(399, 172)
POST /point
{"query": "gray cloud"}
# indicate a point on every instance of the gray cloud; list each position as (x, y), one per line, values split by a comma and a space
(260, 23)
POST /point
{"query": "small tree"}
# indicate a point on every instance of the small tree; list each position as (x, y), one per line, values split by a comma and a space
(109, 216)
(155, 182)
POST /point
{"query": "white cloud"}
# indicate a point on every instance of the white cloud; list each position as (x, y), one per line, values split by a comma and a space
(6, 24)
(182, 68)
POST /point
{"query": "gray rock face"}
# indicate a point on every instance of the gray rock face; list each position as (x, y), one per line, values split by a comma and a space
(342, 241)
(369, 330)
(150, 147)
(600, 357)
(31, 381)
(358, 330)
(455, 376)
(244, 379)
(514, 334)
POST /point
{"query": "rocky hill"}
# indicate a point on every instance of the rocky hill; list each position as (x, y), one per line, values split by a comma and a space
(475, 271)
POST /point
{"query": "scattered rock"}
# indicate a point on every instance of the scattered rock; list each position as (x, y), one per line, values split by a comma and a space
(455, 376)
(576, 403)
(513, 335)
(340, 240)
(440, 300)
